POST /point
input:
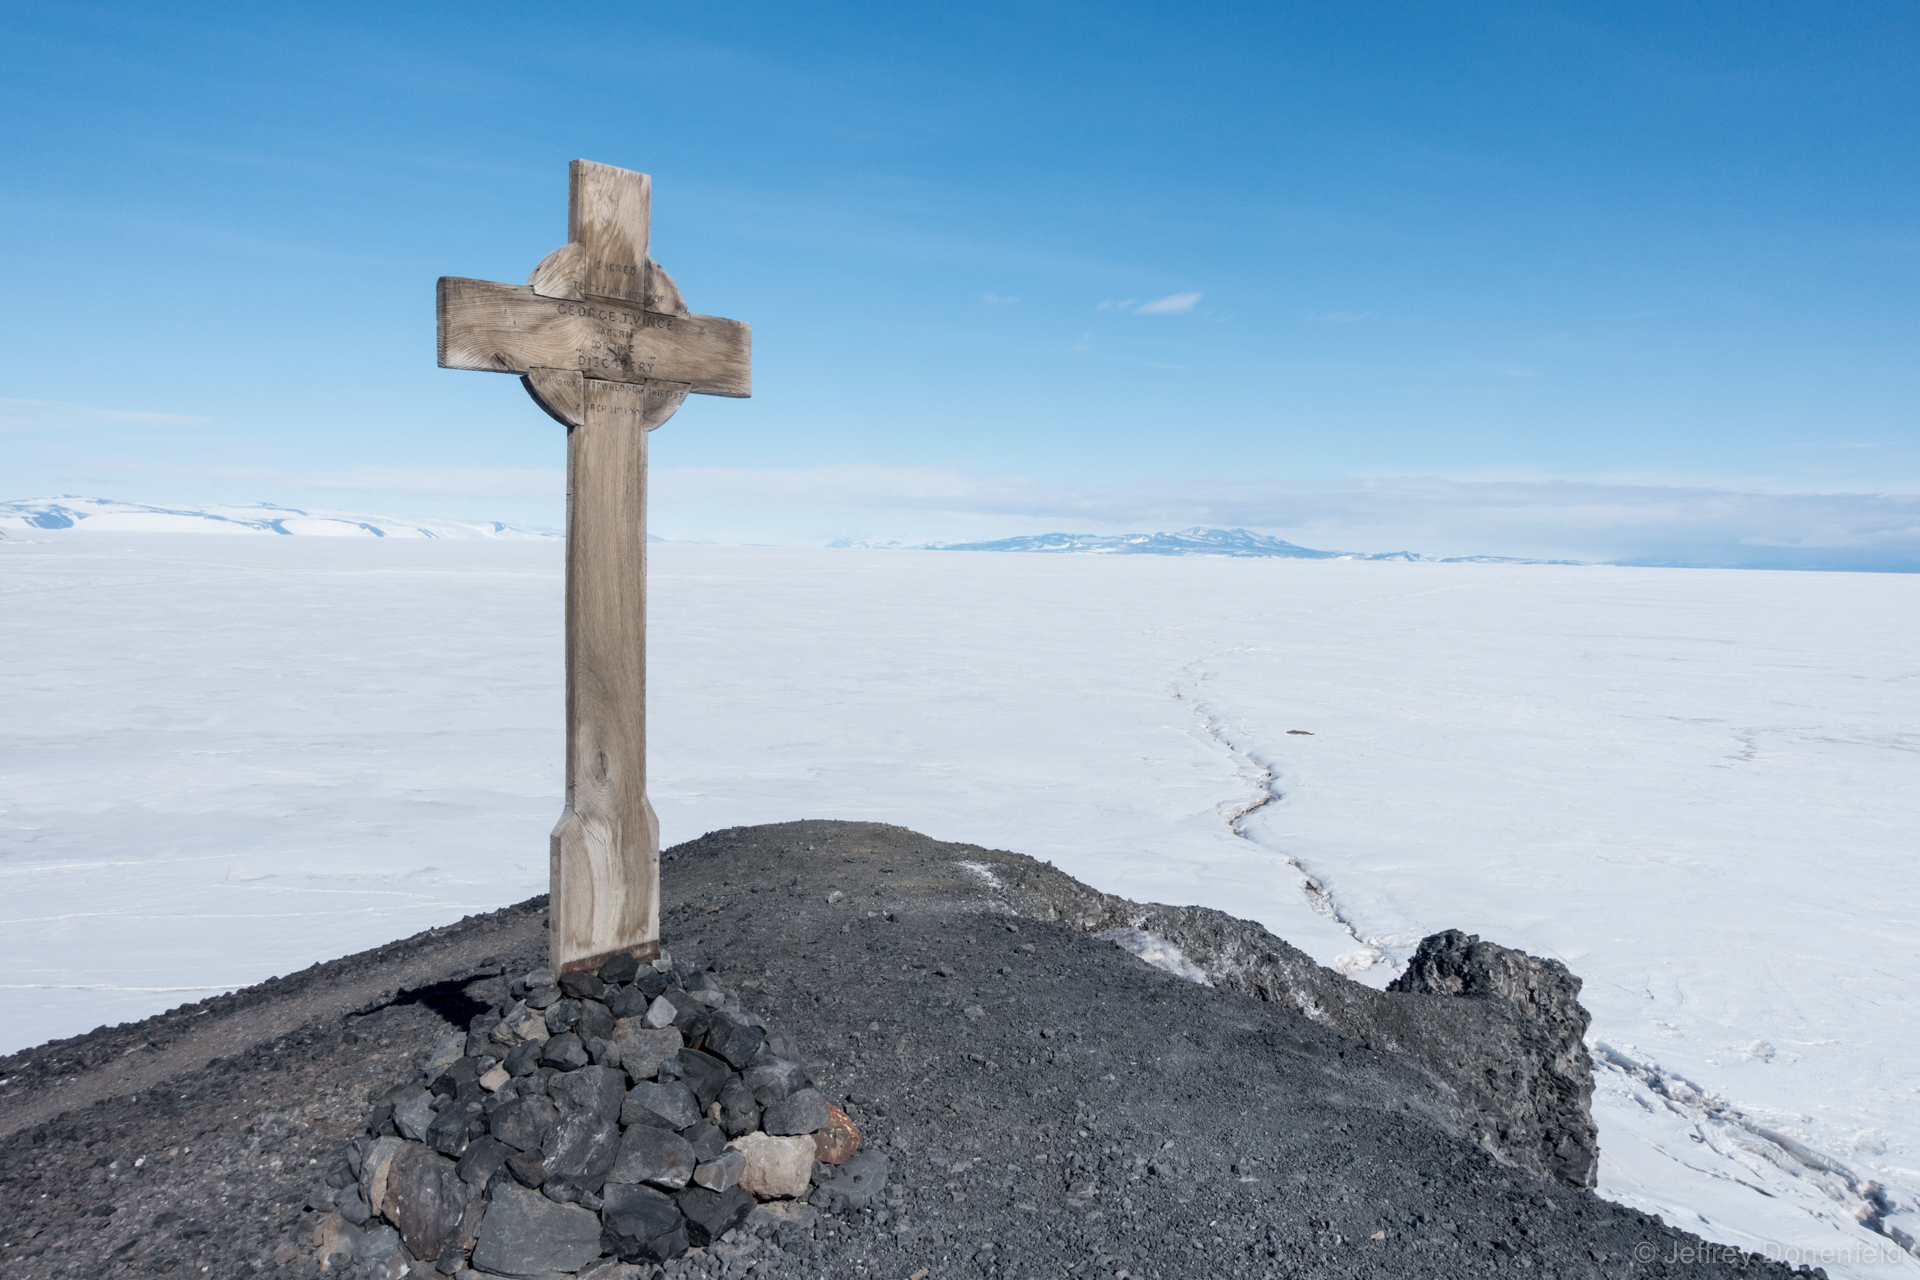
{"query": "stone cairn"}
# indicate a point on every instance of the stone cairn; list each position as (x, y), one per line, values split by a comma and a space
(592, 1124)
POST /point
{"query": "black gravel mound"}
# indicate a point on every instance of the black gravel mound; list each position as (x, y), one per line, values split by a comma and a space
(1047, 1103)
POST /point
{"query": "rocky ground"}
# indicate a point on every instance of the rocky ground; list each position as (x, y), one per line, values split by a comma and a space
(1048, 1104)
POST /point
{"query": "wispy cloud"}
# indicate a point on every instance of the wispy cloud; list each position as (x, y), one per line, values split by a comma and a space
(460, 482)
(469, 482)
(1172, 304)
(58, 415)
(1169, 305)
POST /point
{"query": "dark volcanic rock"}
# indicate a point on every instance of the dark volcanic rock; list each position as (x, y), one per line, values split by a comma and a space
(524, 1233)
(523, 1059)
(562, 1015)
(582, 986)
(659, 1156)
(530, 1167)
(483, 1159)
(1516, 1083)
(1549, 1069)
(669, 1105)
(581, 1149)
(600, 1090)
(804, 1112)
(690, 1015)
(642, 1224)
(643, 1050)
(425, 1199)
(459, 1074)
(738, 1112)
(620, 969)
(734, 1041)
(450, 1129)
(565, 1052)
(774, 1079)
(703, 1074)
(523, 1122)
(711, 1214)
(629, 1002)
(596, 1021)
(722, 1172)
(414, 1115)
(708, 1140)
(1286, 1122)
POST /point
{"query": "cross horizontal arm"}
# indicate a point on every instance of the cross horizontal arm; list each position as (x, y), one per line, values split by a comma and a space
(503, 328)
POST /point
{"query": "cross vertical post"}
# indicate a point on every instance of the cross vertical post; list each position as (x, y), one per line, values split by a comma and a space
(604, 343)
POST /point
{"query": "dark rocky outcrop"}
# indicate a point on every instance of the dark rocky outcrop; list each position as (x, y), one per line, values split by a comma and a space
(1046, 1103)
(1499, 1031)
(1546, 1062)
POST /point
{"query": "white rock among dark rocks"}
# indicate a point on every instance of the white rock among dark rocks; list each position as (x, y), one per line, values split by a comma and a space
(776, 1167)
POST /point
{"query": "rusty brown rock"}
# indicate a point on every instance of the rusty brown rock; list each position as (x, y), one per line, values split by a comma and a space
(840, 1138)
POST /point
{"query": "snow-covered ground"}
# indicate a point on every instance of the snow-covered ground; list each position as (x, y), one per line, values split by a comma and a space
(229, 757)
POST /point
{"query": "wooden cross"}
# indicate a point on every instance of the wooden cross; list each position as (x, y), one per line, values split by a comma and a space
(603, 341)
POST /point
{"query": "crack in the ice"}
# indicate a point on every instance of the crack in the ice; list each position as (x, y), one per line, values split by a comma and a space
(1864, 1200)
(1265, 780)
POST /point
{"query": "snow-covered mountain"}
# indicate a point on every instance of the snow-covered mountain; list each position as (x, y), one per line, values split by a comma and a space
(105, 515)
(1196, 541)
(1191, 542)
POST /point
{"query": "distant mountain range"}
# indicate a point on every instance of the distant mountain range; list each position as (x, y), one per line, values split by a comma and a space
(105, 515)
(1196, 541)
(108, 515)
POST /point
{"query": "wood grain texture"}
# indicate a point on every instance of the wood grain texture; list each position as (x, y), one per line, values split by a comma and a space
(558, 274)
(503, 328)
(561, 392)
(663, 295)
(609, 212)
(605, 850)
(602, 340)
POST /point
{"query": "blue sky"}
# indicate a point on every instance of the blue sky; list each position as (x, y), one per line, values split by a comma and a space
(1601, 280)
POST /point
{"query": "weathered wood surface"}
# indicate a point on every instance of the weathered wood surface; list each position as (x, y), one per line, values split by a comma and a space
(603, 341)
(504, 328)
(610, 214)
(605, 856)
(559, 276)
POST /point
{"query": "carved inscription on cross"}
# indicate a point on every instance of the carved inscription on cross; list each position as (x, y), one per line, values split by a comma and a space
(604, 343)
